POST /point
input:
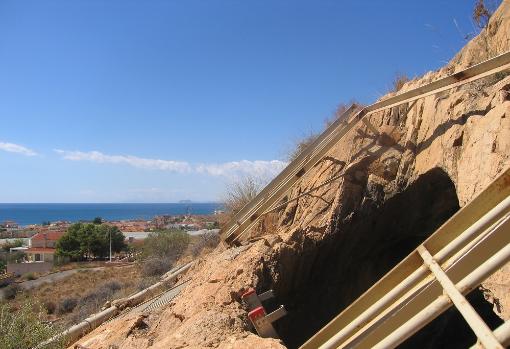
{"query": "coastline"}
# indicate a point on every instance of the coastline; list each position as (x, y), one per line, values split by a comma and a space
(26, 214)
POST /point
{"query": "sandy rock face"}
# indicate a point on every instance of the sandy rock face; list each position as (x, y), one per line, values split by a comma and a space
(430, 158)
(207, 313)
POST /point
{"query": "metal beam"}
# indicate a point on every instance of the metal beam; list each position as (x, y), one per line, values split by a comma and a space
(264, 201)
(250, 214)
(442, 302)
(502, 334)
(458, 232)
(418, 298)
(479, 327)
(464, 241)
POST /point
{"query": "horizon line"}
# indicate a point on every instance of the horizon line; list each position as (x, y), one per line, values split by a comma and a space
(110, 203)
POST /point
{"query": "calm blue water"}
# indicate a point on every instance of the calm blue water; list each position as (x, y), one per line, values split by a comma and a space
(25, 214)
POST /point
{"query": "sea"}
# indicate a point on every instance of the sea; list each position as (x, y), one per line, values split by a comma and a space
(26, 214)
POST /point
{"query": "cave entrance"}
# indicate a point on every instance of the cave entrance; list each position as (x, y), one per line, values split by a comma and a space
(363, 247)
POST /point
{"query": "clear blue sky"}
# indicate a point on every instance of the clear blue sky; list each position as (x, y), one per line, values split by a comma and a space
(158, 101)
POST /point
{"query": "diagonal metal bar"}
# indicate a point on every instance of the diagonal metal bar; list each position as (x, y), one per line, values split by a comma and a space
(479, 327)
(489, 207)
(251, 213)
(502, 334)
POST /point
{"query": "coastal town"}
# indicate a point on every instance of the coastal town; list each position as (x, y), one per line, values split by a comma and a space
(73, 268)
(32, 248)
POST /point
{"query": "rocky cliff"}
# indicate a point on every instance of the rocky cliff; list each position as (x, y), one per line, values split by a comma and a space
(431, 158)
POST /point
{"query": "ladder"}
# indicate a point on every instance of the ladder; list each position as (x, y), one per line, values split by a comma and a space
(461, 254)
(267, 200)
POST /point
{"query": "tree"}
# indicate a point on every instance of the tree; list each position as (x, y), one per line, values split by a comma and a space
(100, 244)
(97, 220)
(89, 240)
(15, 243)
(69, 245)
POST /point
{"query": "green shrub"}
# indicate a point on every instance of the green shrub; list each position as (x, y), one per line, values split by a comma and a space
(23, 328)
(29, 276)
(83, 241)
(167, 245)
(15, 243)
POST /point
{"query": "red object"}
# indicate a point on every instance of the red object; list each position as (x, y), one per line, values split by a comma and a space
(248, 293)
(51, 236)
(256, 313)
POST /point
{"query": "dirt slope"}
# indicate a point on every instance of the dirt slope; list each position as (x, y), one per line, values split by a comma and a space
(435, 155)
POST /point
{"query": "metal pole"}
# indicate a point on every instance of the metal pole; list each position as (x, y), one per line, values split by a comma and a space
(443, 302)
(417, 300)
(502, 334)
(426, 284)
(479, 327)
(110, 245)
(481, 225)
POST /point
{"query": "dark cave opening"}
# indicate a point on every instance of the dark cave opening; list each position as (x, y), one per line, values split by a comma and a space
(362, 247)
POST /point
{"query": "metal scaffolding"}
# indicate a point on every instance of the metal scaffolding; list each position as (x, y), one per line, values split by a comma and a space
(267, 200)
(461, 254)
(454, 260)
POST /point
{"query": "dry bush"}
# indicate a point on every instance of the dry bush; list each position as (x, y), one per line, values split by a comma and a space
(67, 305)
(92, 302)
(88, 287)
(341, 108)
(155, 266)
(207, 240)
(147, 282)
(398, 81)
(11, 291)
(239, 193)
(50, 307)
(301, 144)
(482, 12)
(101, 294)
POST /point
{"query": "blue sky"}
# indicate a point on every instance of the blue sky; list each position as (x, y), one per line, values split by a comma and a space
(159, 101)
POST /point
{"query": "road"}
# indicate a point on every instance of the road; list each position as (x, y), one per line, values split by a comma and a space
(50, 278)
